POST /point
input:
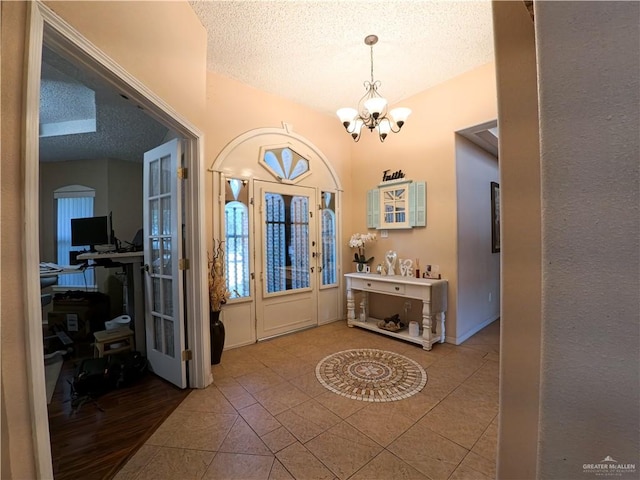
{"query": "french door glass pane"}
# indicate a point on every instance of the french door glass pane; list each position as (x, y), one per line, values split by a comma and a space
(329, 267)
(168, 337)
(286, 242)
(236, 221)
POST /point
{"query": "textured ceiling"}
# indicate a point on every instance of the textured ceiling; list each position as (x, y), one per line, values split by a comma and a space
(313, 52)
(123, 131)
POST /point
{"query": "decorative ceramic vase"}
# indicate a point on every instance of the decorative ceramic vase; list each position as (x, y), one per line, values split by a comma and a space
(361, 267)
(216, 330)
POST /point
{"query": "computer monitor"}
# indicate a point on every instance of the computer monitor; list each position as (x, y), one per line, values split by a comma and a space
(90, 231)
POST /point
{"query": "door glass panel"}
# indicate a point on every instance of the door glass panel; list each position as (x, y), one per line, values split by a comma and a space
(165, 185)
(168, 302)
(166, 255)
(155, 256)
(154, 178)
(157, 333)
(168, 338)
(157, 305)
(236, 221)
(328, 252)
(166, 216)
(154, 217)
(286, 242)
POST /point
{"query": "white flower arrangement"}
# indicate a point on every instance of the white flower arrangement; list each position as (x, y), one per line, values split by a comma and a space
(358, 240)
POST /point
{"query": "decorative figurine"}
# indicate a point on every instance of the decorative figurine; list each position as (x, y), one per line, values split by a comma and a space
(390, 259)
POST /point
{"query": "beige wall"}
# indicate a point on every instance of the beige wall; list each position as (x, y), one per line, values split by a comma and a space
(125, 198)
(425, 150)
(170, 58)
(521, 254)
(170, 45)
(54, 175)
(590, 150)
(234, 108)
(478, 299)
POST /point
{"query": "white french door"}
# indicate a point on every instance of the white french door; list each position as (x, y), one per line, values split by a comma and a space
(164, 322)
(287, 259)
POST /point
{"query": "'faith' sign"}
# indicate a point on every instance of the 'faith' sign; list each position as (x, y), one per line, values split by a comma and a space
(386, 176)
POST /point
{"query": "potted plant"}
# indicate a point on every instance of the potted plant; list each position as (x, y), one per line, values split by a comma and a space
(218, 296)
(358, 240)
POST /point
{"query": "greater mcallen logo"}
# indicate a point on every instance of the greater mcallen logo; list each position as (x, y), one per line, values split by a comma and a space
(609, 467)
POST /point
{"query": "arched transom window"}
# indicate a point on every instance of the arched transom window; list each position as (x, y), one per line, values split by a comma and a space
(285, 164)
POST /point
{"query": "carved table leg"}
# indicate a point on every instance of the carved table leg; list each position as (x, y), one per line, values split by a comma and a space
(351, 307)
(427, 322)
(440, 333)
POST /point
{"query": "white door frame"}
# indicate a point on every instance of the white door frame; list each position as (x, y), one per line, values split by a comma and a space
(277, 300)
(45, 25)
(239, 159)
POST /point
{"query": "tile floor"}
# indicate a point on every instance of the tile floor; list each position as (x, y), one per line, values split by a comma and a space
(267, 417)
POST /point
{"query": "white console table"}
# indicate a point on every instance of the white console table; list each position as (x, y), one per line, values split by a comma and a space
(433, 294)
(132, 263)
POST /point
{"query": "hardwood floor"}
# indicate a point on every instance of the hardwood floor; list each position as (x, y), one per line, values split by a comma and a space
(94, 441)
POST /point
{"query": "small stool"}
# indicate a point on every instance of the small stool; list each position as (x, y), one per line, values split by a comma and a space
(105, 340)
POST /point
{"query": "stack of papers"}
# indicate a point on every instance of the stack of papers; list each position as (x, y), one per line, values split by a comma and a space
(48, 267)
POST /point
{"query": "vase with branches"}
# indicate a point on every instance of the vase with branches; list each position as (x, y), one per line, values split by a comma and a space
(218, 293)
(218, 296)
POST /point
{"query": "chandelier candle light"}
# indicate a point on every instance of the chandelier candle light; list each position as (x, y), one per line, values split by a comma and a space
(372, 109)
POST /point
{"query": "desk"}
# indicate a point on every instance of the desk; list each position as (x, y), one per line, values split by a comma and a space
(433, 294)
(132, 263)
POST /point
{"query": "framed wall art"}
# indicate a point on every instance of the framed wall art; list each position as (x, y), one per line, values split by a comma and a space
(495, 217)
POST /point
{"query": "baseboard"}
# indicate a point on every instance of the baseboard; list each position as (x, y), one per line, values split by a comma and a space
(470, 333)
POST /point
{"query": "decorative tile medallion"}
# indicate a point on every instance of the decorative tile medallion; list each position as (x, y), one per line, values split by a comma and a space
(371, 375)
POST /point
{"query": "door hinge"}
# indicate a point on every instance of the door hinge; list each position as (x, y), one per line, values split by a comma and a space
(183, 264)
(183, 173)
(187, 355)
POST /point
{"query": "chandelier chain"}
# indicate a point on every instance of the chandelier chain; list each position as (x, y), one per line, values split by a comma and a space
(371, 63)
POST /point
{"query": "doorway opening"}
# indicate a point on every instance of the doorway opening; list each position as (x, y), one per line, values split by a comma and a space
(280, 217)
(47, 29)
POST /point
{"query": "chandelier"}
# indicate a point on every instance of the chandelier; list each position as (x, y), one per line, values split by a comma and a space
(372, 111)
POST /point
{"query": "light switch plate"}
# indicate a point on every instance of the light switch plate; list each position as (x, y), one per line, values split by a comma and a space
(384, 233)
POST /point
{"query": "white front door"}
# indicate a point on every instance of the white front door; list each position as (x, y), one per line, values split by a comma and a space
(164, 322)
(286, 258)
